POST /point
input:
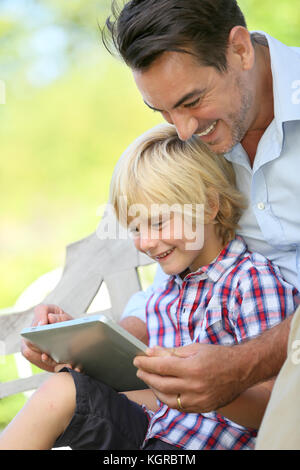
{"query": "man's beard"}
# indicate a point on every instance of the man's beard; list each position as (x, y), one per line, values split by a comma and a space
(238, 121)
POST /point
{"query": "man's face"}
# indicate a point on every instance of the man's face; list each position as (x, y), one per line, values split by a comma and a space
(199, 99)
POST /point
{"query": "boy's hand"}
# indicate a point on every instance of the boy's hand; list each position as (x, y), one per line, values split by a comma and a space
(43, 315)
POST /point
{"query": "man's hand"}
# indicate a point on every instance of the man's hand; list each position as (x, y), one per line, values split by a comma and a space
(206, 377)
(202, 375)
(43, 315)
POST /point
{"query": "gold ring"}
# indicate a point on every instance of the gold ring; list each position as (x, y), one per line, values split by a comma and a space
(179, 403)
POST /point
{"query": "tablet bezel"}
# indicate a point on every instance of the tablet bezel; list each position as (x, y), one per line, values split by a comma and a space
(96, 343)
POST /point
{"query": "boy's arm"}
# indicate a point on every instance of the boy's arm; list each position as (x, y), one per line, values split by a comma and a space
(249, 408)
(136, 327)
(143, 397)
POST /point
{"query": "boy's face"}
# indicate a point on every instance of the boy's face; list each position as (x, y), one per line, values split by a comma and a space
(175, 243)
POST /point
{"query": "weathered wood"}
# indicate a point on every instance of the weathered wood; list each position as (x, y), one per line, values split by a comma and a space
(10, 326)
(121, 286)
(89, 262)
(22, 385)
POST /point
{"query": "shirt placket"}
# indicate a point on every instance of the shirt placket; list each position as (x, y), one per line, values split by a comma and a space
(185, 304)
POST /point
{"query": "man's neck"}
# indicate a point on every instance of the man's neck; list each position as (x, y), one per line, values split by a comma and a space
(250, 143)
(264, 102)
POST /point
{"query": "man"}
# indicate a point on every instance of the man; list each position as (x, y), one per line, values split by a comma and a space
(195, 62)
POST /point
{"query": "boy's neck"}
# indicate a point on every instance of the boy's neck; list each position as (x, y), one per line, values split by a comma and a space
(212, 247)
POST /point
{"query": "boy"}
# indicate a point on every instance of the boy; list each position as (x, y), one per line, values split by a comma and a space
(216, 292)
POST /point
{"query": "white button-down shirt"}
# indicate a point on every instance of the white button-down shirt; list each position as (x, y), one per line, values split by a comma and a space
(271, 223)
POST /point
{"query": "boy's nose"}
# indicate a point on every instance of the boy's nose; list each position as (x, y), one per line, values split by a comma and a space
(147, 244)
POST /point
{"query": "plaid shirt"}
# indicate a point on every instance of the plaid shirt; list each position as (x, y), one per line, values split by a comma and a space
(236, 297)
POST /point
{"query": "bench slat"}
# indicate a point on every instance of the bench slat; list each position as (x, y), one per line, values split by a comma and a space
(10, 326)
(22, 385)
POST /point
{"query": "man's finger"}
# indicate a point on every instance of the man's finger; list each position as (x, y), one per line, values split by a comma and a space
(182, 351)
(166, 384)
(158, 351)
(161, 365)
(169, 399)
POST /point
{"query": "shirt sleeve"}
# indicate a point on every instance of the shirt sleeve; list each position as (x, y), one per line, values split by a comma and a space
(262, 300)
(136, 306)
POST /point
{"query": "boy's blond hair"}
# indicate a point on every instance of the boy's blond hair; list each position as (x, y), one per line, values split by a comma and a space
(159, 168)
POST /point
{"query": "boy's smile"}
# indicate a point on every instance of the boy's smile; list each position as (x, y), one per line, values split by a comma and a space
(174, 254)
(161, 256)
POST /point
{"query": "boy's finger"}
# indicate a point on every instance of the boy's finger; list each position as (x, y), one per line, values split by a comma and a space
(58, 317)
(48, 360)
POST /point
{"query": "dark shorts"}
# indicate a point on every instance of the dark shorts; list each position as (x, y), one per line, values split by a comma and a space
(106, 420)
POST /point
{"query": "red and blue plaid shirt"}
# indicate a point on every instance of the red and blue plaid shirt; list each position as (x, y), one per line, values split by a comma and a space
(236, 297)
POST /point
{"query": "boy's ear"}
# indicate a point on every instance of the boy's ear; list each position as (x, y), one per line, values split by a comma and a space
(214, 205)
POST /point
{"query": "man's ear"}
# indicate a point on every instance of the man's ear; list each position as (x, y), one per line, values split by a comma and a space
(240, 48)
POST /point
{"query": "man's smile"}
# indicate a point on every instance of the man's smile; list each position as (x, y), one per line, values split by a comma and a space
(208, 130)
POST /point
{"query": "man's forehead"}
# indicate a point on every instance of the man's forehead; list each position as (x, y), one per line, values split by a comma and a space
(172, 79)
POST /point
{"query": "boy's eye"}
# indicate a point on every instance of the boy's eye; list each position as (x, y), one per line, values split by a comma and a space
(134, 232)
(159, 224)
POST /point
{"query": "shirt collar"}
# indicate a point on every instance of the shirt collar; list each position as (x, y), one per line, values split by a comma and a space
(228, 257)
(285, 65)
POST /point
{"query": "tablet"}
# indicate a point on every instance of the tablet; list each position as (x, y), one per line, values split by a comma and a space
(101, 347)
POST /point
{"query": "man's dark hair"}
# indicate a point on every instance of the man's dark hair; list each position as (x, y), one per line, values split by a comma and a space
(145, 29)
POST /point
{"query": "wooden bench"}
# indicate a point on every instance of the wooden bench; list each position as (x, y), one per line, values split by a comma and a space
(89, 262)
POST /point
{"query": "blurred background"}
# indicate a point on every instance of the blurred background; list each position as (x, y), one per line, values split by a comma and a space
(67, 111)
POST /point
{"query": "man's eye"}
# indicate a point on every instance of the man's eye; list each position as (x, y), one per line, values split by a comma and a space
(192, 104)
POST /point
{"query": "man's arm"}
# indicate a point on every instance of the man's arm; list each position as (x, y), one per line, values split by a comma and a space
(207, 376)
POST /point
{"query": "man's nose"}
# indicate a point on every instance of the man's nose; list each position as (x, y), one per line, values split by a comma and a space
(186, 125)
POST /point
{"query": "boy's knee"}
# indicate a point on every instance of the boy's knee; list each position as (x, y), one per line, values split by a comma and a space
(60, 383)
(58, 394)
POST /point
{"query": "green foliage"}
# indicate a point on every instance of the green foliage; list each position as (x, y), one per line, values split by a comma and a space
(279, 19)
(9, 406)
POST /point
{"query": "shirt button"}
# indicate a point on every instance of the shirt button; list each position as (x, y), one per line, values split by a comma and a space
(261, 206)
